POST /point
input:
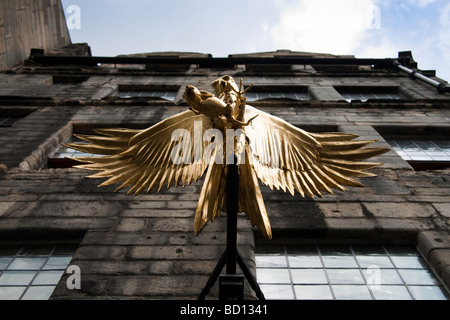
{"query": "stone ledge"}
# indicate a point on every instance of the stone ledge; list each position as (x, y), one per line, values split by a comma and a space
(430, 240)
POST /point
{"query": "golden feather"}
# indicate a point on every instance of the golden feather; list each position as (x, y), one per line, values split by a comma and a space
(277, 153)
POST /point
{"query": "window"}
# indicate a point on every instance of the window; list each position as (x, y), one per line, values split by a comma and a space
(32, 272)
(167, 95)
(424, 148)
(263, 93)
(365, 94)
(60, 157)
(345, 272)
(252, 96)
(363, 97)
(148, 91)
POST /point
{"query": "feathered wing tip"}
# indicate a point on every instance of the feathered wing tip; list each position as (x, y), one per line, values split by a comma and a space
(288, 158)
(212, 196)
(142, 159)
(251, 201)
(342, 158)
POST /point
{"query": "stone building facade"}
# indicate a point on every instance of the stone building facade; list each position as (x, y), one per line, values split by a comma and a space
(143, 247)
(25, 25)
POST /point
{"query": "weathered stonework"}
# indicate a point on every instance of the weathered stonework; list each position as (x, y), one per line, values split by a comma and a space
(144, 247)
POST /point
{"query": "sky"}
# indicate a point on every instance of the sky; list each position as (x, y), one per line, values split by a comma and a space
(363, 28)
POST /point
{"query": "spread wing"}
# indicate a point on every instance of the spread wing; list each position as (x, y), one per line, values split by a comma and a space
(144, 159)
(292, 159)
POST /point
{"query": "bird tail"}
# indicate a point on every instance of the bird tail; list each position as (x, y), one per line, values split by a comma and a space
(250, 198)
(212, 197)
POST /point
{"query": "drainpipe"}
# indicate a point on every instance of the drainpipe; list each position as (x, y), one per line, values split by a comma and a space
(440, 86)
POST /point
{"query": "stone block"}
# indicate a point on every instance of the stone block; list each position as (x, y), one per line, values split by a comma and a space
(131, 225)
(177, 252)
(341, 210)
(443, 208)
(430, 240)
(440, 259)
(399, 210)
(100, 253)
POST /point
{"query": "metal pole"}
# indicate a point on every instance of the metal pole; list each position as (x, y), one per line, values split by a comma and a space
(232, 203)
(231, 285)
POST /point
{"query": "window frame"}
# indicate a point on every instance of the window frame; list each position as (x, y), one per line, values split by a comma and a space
(352, 269)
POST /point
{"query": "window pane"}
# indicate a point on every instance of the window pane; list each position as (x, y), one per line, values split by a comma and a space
(309, 276)
(39, 293)
(271, 261)
(11, 293)
(273, 275)
(277, 292)
(390, 277)
(21, 278)
(304, 261)
(391, 293)
(339, 262)
(345, 292)
(375, 260)
(305, 292)
(345, 276)
(418, 276)
(4, 262)
(48, 277)
(57, 263)
(427, 293)
(27, 264)
(408, 262)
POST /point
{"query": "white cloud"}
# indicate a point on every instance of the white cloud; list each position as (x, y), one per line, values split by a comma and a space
(324, 25)
(444, 40)
(421, 3)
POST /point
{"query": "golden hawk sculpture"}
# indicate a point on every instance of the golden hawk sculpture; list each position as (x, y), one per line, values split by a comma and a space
(180, 149)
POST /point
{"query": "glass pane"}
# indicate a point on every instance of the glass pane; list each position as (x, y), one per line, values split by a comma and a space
(313, 292)
(346, 292)
(48, 277)
(427, 293)
(391, 293)
(27, 264)
(390, 277)
(345, 276)
(4, 262)
(11, 293)
(271, 261)
(375, 260)
(304, 261)
(57, 263)
(411, 262)
(17, 277)
(39, 293)
(421, 277)
(272, 275)
(304, 257)
(339, 262)
(277, 292)
(309, 276)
